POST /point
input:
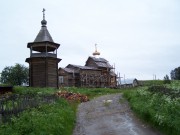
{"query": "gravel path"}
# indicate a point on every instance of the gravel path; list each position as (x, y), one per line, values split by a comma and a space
(109, 115)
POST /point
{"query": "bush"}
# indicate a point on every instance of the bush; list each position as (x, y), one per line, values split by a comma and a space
(167, 80)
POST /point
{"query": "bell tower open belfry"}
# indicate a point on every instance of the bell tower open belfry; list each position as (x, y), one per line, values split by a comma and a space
(43, 61)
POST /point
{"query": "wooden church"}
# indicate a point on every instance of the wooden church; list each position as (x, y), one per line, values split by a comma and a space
(97, 72)
(43, 61)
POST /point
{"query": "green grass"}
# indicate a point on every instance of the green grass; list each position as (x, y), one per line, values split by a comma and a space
(174, 85)
(90, 92)
(59, 118)
(52, 119)
(5, 85)
(31, 90)
(95, 92)
(161, 111)
(152, 82)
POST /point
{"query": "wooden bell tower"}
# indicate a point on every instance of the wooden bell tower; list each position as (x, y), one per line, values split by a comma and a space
(43, 61)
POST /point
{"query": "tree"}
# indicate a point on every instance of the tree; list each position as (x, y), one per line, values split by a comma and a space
(15, 75)
(172, 75)
(175, 74)
(167, 80)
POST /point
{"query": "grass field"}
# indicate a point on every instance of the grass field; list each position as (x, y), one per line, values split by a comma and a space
(157, 108)
(56, 118)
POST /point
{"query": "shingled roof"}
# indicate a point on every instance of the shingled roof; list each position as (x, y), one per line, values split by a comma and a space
(70, 70)
(43, 35)
(81, 67)
(100, 62)
(99, 59)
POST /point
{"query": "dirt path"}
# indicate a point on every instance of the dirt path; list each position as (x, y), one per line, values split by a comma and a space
(109, 115)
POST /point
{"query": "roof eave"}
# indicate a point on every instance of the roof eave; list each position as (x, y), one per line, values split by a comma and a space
(32, 43)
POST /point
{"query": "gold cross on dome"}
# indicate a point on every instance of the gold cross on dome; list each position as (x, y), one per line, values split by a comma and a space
(96, 47)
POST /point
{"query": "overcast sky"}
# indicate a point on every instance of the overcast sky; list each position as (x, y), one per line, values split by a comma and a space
(142, 37)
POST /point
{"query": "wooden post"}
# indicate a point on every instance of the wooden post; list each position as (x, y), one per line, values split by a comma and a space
(31, 51)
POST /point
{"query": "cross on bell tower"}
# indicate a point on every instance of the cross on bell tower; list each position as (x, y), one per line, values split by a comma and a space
(43, 13)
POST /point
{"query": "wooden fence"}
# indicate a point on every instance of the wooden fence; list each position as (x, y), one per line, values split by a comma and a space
(14, 104)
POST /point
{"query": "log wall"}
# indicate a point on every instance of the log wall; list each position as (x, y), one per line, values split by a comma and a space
(43, 72)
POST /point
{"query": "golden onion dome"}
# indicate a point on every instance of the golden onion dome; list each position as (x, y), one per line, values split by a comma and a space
(96, 52)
